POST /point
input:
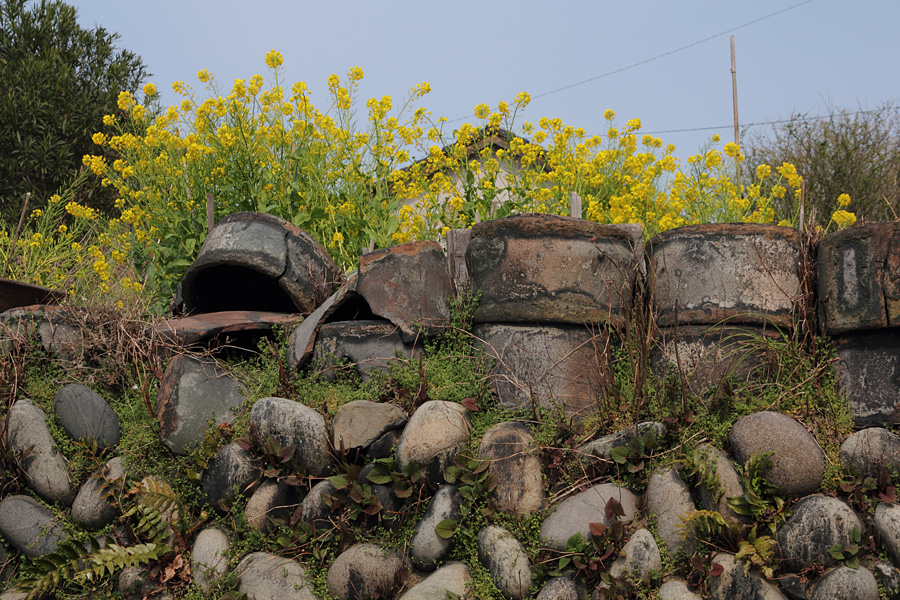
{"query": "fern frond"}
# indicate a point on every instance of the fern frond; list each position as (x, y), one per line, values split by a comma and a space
(48, 570)
(111, 558)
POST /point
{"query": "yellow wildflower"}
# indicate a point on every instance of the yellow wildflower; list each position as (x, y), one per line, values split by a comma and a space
(99, 139)
(843, 218)
(149, 90)
(274, 59)
(109, 120)
(843, 200)
(125, 101)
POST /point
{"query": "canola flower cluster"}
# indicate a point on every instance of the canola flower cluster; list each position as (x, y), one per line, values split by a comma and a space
(71, 247)
(352, 183)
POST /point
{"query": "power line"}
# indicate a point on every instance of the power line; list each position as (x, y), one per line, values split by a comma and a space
(755, 124)
(658, 56)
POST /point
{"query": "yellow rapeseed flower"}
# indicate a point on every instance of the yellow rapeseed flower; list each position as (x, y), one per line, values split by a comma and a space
(149, 90)
(109, 120)
(609, 115)
(99, 139)
(482, 111)
(843, 218)
(274, 59)
(763, 171)
(125, 101)
(843, 200)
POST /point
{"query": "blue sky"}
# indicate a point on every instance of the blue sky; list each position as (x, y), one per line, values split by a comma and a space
(817, 53)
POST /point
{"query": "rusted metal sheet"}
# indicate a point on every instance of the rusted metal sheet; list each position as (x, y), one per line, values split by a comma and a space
(14, 294)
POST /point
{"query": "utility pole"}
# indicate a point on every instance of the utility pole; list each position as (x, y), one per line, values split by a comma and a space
(734, 93)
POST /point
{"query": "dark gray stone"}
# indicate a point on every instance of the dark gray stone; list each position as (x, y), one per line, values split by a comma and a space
(871, 449)
(562, 588)
(209, 557)
(366, 571)
(44, 467)
(735, 584)
(504, 556)
(85, 415)
(316, 507)
(192, 396)
(265, 576)
(358, 424)
(295, 424)
(741, 273)
(361, 346)
(435, 434)
(887, 522)
(93, 508)
(844, 583)
(231, 472)
(453, 577)
(640, 557)
(558, 366)
(858, 277)
(427, 548)
(550, 269)
(888, 577)
(868, 374)
(576, 513)
(271, 500)
(516, 466)
(818, 524)
(601, 447)
(669, 500)
(409, 285)
(798, 463)
(29, 527)
(729, 484)
(255, 261)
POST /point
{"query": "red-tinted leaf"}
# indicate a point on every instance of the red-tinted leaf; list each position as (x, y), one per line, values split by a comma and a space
(470, 404)
(597, 529)
(716, 570)
(889, 495)
(613, 508)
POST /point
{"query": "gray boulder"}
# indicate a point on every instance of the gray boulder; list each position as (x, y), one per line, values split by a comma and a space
(427, 548)
(867, 450)
(669, 500)
(676, 590)
(887, 522)
(209, 561)
(358, 424)
(888, 577)
(734, 583)
(563, 588)
(576, 513)
(798, 463)
(44, 467)
(265, 576)
(818, 523)
(452, 577)
(640, 557)
(85, 415)
(271, 500)
(192, 395)
(93, 508)
(729, 484)
(517, 467)
(506, 560)
(295, 424)
(230, 472)
(436, 432)
(29, 527)
(844, 583)
(601, 447)
(366, 571)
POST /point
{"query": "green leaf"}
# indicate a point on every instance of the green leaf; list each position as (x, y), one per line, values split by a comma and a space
(446, 528)
(619, 454)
